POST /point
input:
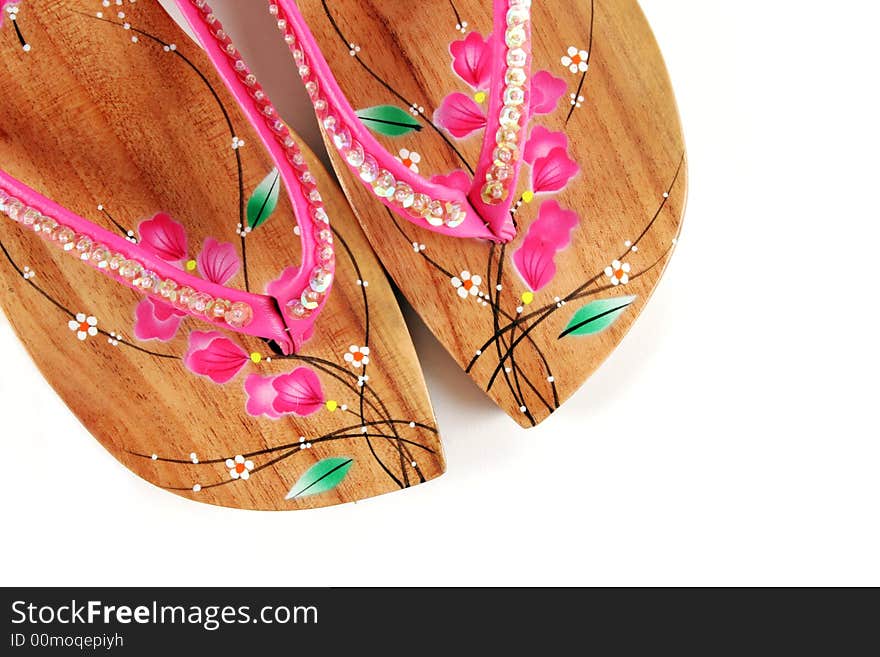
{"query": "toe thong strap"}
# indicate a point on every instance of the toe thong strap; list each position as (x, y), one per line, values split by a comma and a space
(287, 314)
(301, 292)
(435, 207)
(140, 269)
(485, 210)
(494, 185)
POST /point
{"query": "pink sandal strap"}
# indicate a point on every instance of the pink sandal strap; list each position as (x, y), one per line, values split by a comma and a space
(432, 206)
(301, 292)
(500, 160)
(288, 313)
(138, 268)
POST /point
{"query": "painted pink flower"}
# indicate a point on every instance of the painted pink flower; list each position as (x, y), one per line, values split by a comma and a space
(156, 320)
(164, 237)
(261, 395)
(541, 141)
(458, 179)
(535, 259)
(218, 262)
(214, 356)
(547, 152)
(472, 60)
(546, 90)
(298, 392)
(552, 172)
(460, 115)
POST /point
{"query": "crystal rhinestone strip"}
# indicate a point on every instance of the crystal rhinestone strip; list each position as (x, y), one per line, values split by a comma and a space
(237, 315)
(322, 275)
(500, 175)
(381, 182)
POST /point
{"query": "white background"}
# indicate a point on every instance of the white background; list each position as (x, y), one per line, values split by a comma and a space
(731, 439)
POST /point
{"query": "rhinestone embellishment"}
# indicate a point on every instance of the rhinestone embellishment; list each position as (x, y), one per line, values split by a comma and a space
(318, 287)
(500, 174)
(237, 315)
(382, 183)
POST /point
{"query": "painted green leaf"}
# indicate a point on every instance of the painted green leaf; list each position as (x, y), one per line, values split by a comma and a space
(597, 316)
(388, 120)
(264, 200)
(323, 476)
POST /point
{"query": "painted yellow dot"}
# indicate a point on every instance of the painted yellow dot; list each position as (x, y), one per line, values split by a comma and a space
(480, 97)
(331, 405)
(256, 357)
(191, 265)
(528, 196)
(527, 297)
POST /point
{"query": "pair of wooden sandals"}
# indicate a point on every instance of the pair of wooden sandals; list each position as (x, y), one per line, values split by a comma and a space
(517, 168)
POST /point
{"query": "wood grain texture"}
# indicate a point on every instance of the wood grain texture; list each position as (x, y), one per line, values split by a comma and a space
(623, 130)
(89, 117)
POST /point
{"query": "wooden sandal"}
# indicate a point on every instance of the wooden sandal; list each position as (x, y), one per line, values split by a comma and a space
(545, 136)
(135, 287)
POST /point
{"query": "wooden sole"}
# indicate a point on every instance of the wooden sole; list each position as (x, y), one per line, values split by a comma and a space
(118, 124)
(529, 342)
